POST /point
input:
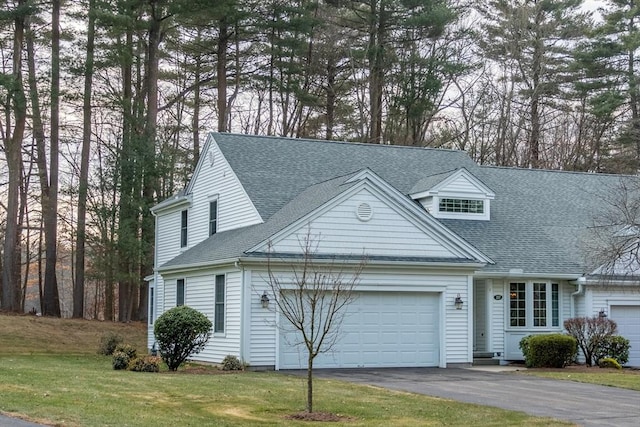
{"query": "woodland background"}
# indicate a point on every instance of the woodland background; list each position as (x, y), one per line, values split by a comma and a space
(104, 105)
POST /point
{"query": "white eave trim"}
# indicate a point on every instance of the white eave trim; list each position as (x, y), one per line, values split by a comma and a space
(171, 204)
(196, 266)
(522, 275)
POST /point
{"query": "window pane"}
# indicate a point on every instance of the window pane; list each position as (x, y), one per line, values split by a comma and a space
(213, 217)
(180, 292)
(152, 304)
(539, 304)
(218, 323)
(183, 229)
(461, 206)
(555, 305)
(517, 304)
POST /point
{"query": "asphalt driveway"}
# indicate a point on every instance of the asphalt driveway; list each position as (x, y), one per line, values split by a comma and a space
(584, 404)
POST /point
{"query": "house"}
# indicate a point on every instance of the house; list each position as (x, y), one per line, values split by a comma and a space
(463, 259)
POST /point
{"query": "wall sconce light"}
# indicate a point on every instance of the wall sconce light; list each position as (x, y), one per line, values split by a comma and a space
(458, 302)
(602, 314)
(264, 300)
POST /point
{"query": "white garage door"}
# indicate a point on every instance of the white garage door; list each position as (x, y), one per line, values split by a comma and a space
(381, 329)
(628, 319)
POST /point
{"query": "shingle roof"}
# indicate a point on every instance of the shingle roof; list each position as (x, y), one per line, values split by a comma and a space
(274, 170)
(539, 219)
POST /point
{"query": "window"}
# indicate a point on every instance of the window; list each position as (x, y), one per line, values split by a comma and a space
(517, 300)
(183, 229)
(179, 292)
(544, 307)
(152, 304)
(539, 304)
(461, 206)
(218, 321)
(213, 217)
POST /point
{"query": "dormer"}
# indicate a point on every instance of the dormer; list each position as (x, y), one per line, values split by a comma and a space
(454, 195)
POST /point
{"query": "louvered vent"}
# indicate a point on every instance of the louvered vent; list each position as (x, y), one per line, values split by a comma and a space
(364, 212)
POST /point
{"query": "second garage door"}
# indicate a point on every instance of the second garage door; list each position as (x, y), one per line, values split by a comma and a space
(628, 319)
(381, 329)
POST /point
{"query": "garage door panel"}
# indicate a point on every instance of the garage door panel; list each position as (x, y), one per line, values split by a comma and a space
(380, 330)
(628, 319)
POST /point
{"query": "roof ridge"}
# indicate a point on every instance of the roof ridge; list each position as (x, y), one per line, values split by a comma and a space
(330, 141)
(562, 171)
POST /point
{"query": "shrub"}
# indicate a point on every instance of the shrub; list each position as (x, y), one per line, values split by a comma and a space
(108, 343)
(120, 360)
(145, 363)
(608, 362)
(590, 333)
(181, 332)
(127, 349)
(615, 347)
(524, 346)
(548, 351)
(232, 363)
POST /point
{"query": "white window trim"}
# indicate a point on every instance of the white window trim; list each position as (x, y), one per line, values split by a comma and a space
(211, 199)
(529, 306)
(224, 306)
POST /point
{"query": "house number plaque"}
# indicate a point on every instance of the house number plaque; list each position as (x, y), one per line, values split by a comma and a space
(497, 297)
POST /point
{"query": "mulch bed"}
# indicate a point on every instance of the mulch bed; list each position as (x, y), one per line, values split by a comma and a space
(318, 416)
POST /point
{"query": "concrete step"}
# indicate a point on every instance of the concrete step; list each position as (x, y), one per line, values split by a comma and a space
(485, 361)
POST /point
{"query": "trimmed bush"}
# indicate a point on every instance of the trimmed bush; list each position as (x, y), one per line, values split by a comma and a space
(109, 342)
(548, 351)
(145, 363)
(608, 362)
(120, 360)
(590, 333)
(181, 332)
(232, 363)
(615, 347)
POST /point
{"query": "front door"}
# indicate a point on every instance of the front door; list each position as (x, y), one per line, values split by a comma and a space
(480, 323)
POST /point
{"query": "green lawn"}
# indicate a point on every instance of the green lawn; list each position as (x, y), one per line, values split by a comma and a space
(83, 390)
(594, 375)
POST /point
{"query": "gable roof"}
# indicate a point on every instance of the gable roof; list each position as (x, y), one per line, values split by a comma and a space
(273, 170)
(539, 218)
(433, 184)
(251, 240)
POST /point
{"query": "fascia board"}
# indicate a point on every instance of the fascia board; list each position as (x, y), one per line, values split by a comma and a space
(203, 157)
(541, 276)
(179, 202)
(196, 266)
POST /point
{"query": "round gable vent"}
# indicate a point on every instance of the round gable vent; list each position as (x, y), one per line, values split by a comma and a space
(364, 212)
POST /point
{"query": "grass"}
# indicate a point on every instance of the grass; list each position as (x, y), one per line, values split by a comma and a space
(50, 374)
(46, 335)
(626, 378)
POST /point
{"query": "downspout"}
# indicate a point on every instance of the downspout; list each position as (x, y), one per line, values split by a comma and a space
(581, 282)
(153, 301)
(238, 265)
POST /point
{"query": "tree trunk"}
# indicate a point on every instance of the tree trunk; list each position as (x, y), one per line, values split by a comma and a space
(310, 383)
(13, 143)
(223, 41)
(78, 288)
(50, 198)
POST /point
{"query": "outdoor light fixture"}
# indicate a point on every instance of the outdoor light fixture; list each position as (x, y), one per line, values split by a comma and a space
(264, 300)
(458, 302)
(602, 314)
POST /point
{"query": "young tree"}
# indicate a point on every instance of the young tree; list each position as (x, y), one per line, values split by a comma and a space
(312, 296)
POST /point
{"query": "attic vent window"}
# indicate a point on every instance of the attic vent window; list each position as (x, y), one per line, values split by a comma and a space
(462, 206)
(364, 212)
